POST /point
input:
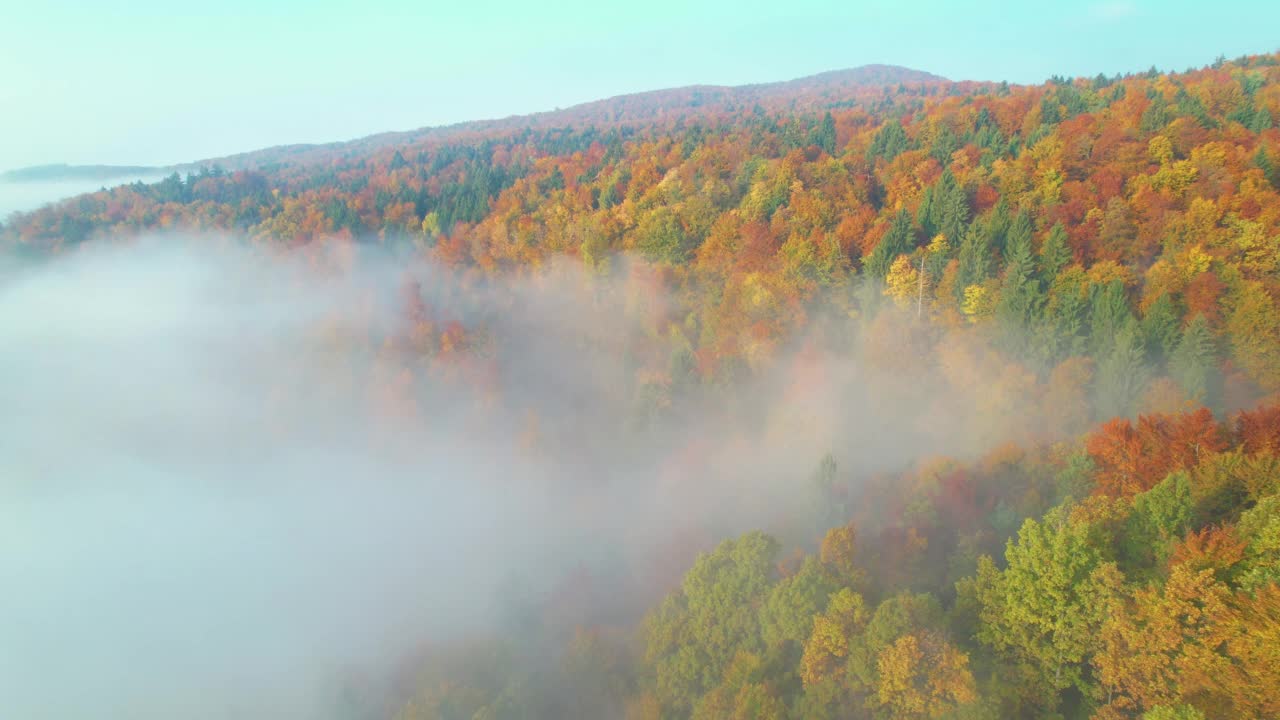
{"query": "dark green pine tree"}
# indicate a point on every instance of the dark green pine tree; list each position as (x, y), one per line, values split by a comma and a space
(889, 142)
(824, 135)
(1160, 328)
(1109, 314)
(1269, 170)
(998, 222)
(929, 213)
(1261, 120)
(1122, 374)
(897, 241)
(1020, 293)
(1068, 321)
(974, 259)
(1193, 363)
(1055, 254)
(955, 209)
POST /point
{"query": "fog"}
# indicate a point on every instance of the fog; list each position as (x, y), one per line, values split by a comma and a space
(210, 512)
(28, 196)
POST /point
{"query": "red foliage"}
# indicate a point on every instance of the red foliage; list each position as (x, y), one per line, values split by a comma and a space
(1133, 459)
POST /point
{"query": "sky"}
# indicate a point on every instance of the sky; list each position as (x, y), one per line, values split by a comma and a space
(158, 82)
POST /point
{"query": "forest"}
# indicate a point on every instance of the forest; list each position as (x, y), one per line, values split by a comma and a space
(1026, 338)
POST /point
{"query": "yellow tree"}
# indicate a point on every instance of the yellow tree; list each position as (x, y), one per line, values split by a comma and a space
(922, 675)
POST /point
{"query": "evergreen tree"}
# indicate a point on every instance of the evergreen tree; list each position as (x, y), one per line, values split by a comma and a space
(895, 242)
(890, 141)
(1122, 375)
(1269, 169)
(1261, 120)
(1021, 295)
(1194, 360)
(1055, 254)
(824, 135)
(955, 209)
(975, 258)
(1160, 328)
(1108, 314)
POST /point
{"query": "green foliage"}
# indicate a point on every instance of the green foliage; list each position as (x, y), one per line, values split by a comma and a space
(1173, 712)
(660, 238)
(1043, 612)
(788, 612)
(1193, 362)
(698, 630)
(1122, 375)
(1160, 329)
(889, 142)
(1055, 253)
(975, 258)
(1160, 516)
(897, 241)
(1259, 527)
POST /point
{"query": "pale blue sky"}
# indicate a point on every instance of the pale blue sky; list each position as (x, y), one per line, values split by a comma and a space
(158, 81)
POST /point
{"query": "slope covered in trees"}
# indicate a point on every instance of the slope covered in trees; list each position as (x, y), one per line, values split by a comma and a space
(1086, 272)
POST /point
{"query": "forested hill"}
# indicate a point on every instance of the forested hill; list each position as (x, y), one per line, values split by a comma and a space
(624, 109)
(1037, 327)
(1066, 211)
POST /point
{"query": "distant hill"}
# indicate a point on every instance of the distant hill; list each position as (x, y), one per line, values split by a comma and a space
(63, 172)
(810, 91)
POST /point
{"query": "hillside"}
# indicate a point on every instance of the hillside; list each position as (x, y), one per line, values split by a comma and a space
(932, 399)
(623, 109)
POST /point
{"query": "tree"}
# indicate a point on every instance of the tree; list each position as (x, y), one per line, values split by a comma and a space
(1162, 648)
(1055, 253)
(1021, 296)
(825, 134)
(698, 630)
(1193, 362)
(788, 612)
(974, 258)
(1109, 316)
(1254, 328)
(839, 555)
(1160, 517)
(922, 675)
(1044, 610)
(1122, 375)
(897, 241)
(1160, 329)
(827, 649)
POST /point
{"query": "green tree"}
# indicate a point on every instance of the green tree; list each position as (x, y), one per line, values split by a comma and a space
(1193, 362)
(1109, 315)
(1043, 612)
(1055, 253)
(1122, 375)
(1160, 517)
(698, 629)
(974, 259)
(788, 612)
(1160, 328)
(897, 241)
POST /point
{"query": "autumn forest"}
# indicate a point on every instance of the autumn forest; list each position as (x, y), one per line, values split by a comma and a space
(868, 395)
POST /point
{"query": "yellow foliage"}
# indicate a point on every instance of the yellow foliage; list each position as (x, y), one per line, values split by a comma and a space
(923, 676)
(1107, 271)
(978, 303)
(903, 282)
(1175, 177)
(1160, 149)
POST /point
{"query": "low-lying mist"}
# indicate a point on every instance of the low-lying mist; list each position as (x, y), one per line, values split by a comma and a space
(229, 484)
